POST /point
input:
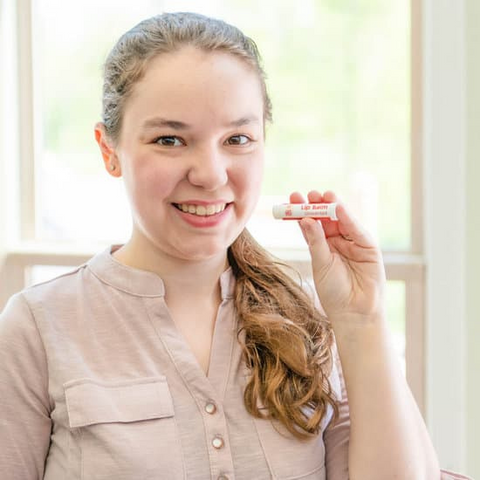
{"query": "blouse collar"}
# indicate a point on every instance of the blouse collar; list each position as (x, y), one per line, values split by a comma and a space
(142, 282)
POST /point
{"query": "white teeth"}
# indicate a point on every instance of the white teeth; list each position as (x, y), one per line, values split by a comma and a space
(201, 210)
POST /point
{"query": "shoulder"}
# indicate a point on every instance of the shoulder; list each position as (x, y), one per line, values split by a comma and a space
(62, 285)
(16, 308)
(19, 335)
(22, 307)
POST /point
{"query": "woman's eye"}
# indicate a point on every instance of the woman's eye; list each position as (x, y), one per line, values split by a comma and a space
(169, 141)
(238, 140)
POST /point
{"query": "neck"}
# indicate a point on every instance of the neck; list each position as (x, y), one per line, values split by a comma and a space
(182, 278)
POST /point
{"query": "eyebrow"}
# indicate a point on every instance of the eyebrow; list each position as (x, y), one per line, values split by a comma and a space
(157, 122)
(164, 122)
(244, 121)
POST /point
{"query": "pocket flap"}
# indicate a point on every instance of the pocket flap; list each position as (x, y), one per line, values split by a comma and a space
(90, 402)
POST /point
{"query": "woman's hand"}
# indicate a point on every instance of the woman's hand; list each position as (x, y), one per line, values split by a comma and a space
(347, 265)
(387, 437)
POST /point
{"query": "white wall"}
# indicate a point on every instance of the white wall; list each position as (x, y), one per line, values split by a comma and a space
(452, 236)
(473, 238)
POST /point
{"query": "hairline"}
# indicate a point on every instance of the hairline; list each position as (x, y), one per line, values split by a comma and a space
(147, 61)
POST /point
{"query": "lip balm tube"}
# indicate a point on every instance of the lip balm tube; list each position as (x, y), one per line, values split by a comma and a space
(297, 211)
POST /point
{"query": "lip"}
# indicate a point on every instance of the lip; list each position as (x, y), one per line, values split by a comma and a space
(204, 221)
(203, 202)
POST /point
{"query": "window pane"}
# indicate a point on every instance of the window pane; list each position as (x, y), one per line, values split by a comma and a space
(338, 74)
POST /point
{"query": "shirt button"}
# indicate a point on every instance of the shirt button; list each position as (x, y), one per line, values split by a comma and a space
(210, 408)
(217, 442)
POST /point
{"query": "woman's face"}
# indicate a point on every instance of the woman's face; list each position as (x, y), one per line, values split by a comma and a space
(191, 152)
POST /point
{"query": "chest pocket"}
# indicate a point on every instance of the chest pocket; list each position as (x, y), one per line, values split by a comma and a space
(126, 430)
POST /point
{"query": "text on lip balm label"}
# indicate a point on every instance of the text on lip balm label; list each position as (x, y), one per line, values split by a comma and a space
(314, 207)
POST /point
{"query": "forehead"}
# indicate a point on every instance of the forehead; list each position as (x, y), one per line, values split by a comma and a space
(195, 84)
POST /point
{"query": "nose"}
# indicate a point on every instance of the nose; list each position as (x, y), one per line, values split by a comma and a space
(208, 169)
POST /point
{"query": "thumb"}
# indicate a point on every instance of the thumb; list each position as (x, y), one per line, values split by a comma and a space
(317, 243)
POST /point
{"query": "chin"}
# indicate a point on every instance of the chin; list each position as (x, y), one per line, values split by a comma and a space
(202, 252)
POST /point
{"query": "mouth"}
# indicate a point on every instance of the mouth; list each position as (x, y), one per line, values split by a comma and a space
(201, 210)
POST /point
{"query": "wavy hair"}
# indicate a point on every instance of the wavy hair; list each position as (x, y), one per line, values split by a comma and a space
(287, 344)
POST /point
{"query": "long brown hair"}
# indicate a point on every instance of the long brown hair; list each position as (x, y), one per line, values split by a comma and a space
(287, 342)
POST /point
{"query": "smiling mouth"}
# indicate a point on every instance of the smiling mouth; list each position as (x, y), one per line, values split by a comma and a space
(201, 210)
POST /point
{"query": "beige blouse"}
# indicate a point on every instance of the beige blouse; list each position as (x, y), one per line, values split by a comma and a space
(96, 382)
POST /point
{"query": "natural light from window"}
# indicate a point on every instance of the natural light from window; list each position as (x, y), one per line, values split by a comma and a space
(338, 74)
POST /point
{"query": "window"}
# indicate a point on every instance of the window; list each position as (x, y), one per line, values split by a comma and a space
(340, 76)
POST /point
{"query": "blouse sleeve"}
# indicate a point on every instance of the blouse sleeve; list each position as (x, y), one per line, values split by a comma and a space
(447, 475)
(337, 433)
(25, 423)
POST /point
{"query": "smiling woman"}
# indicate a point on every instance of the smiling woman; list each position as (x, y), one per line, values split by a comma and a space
(217, 162)
(188, 351)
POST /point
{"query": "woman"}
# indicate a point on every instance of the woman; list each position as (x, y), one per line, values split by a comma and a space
(188, 352)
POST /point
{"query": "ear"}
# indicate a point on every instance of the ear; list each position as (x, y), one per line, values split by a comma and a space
(110, 158)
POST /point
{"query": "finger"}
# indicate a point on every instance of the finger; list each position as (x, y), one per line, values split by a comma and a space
(330, 197)
(297, 197)
(350, 228)
(314, 196)
(315, 237)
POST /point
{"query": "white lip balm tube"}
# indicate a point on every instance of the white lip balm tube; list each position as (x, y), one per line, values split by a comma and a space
(297, 211)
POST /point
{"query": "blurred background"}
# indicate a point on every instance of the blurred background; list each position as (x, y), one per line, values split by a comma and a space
(375, 99)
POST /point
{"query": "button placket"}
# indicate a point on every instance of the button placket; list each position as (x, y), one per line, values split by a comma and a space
(216, 429)
(208, 391)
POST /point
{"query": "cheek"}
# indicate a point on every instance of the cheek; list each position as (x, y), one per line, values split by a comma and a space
(254, 176)
(152, 179)
(249, 181)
